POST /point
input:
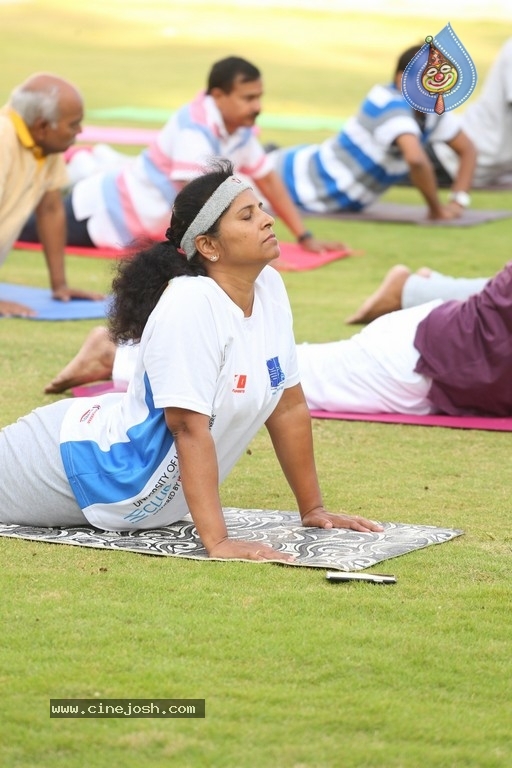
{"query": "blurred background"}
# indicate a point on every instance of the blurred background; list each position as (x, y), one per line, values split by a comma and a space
(136, 61)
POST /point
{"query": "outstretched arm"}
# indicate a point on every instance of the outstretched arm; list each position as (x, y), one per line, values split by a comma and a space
(51, 228)
(423, 176)
(273, 189)
(199, 474)
(289, 427)
(466, 150)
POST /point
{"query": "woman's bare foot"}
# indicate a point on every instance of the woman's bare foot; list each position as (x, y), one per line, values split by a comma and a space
(387, 297)
(93, 362)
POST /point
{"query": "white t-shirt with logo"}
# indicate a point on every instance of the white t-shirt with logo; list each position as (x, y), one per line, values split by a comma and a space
(197, 352)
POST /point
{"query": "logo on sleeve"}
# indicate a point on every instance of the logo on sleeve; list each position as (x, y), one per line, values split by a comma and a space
(276, 373)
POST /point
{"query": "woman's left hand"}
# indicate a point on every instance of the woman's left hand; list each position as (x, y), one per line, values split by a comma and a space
(319, 518)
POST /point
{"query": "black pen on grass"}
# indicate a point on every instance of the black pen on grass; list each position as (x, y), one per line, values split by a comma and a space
(372, 578)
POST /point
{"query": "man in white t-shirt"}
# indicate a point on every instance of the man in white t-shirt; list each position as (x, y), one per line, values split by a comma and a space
(488, 123)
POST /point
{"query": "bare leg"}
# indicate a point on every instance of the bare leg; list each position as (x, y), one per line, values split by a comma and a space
(387, 297)
(93, 362)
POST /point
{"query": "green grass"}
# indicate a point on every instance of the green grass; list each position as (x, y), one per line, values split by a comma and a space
(157, 54)
(295, 672)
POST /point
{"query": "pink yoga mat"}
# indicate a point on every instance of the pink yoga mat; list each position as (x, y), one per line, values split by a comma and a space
(293, 258)
(117, 135)
(77, 250)
(100, 388)
(490, 423)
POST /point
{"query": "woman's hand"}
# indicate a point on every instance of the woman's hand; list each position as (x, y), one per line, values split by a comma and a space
(319, 518)
(320, 246)
(229, 549)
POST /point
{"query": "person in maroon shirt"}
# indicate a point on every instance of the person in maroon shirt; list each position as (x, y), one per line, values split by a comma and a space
(453, 357)
(466, 349)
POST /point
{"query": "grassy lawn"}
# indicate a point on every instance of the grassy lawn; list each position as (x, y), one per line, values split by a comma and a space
(296, 673)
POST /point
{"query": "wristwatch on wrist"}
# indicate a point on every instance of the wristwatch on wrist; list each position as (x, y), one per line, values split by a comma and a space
(461, 198)
(307, 235)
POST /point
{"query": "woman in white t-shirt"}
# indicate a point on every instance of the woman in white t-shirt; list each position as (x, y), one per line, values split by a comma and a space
(217, 360)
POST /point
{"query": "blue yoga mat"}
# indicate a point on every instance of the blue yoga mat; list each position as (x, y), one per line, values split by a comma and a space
(40, 300)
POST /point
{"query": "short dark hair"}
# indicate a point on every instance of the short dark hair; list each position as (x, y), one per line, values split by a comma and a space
(406, 57)
(224, 73)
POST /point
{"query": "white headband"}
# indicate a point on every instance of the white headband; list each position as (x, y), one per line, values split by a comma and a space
(211, 210)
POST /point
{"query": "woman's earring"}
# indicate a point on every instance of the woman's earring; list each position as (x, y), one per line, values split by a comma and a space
(214, 258)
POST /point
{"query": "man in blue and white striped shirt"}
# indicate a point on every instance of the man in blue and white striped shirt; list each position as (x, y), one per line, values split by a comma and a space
(377, 148)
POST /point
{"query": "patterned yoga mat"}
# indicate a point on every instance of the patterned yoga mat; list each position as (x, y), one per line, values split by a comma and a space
(338, 548)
